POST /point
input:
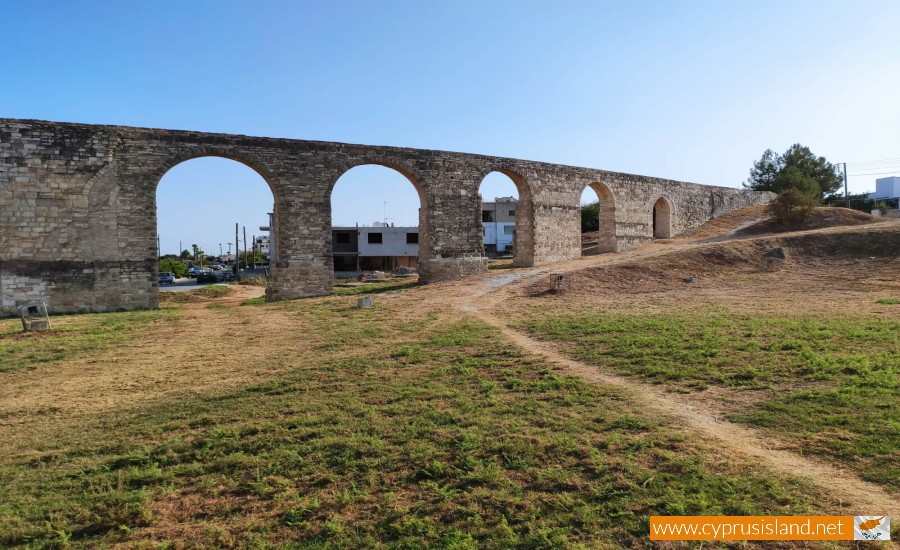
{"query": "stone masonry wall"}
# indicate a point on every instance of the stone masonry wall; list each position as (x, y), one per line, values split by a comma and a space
(78, 209)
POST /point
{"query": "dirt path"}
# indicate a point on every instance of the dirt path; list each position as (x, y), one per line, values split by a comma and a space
(857, 496)
(32, 403)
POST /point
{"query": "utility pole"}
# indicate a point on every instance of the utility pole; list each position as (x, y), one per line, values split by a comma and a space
(158, 250)
(220, 249)
(237, 270)
(245, 246)
(179, 249)
(846, 195)
(229, 249)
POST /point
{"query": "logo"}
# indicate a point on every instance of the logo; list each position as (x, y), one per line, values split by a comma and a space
(871, 527)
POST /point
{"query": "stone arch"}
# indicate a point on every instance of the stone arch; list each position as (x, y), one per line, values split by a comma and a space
(523, 245)
(160, 171)
(246, 160)
(606, 239)
(395, 166)
(424, 245)
(662, 218)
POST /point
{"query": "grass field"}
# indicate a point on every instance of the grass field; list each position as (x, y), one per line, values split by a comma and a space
(72, 336)
(481, 413)
(829, 386)
(409, 431)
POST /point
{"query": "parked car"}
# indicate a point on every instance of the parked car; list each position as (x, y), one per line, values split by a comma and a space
(210, 277)
(193, 271)
(229, 274)
(166, 277)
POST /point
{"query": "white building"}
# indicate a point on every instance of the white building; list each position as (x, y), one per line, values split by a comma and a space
(380, 248)
(886, 188)
(498, 220)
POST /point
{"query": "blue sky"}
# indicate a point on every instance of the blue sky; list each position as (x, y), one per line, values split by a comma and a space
(693, 91)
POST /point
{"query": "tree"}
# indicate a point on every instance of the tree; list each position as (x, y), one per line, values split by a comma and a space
(798, 196)
(791, 207)
(767, 173)
(590, 217)
(762, 175)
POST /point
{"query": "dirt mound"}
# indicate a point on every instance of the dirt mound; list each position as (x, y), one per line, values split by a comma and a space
(880, 241)
(671, 270)
(820, 218)
(737, 219)
(826, 250)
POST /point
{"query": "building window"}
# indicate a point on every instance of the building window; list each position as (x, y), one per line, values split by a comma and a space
(487, 216)
(342, 238)
(512, 212)
(412, 238)
(508, 229)
(375, 238)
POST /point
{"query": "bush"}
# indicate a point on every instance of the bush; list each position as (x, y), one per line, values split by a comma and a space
(792, 207)
(172, 265)
(798, 198)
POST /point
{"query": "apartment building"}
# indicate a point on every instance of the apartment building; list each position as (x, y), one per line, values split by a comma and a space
(377, 248)
(498, 220)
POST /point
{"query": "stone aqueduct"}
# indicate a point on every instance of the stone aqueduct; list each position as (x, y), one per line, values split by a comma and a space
(78, 209)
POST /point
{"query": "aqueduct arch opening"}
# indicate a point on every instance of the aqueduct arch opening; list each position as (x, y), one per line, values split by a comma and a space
(184, 217)
(662, 219)
(606, 219)
(368, 238)
(508, 223)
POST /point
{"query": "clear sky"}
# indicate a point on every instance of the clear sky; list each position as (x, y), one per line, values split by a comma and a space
(693, 91)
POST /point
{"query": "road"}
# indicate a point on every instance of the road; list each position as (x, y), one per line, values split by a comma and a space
(183, 285)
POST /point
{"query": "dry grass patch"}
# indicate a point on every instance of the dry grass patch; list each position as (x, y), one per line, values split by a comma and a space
(404, 426)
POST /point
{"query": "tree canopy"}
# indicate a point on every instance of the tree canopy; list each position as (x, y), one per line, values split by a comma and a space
(590, 217)
(798, 168)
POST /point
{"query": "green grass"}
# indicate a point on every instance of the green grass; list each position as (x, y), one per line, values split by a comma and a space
(888, 301)
(212, 291)
(401, 432)
(829, 386)
(376, 288)
(71, 336)
(500, 264)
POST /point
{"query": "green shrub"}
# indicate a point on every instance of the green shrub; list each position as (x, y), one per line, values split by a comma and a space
(173, 265)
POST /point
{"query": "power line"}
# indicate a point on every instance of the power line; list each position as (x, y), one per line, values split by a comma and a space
(876, 160)
(874, 163)
(875, 173)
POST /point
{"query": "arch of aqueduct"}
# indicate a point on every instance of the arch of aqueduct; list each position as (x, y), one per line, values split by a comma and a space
(78, 209)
